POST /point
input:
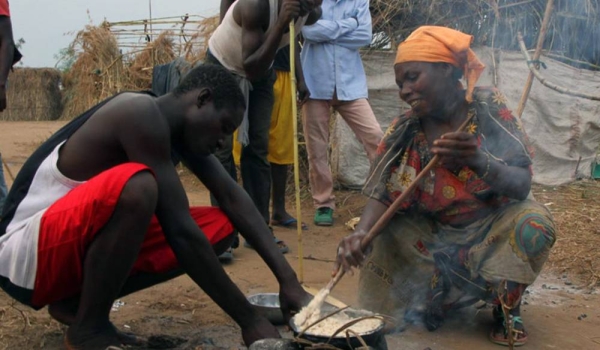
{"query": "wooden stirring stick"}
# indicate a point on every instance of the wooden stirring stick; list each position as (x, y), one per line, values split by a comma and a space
(391, 210)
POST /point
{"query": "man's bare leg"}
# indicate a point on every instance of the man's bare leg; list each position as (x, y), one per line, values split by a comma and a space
(65, 311)
(108, 262)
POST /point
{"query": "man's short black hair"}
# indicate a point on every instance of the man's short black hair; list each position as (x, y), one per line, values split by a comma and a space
(226, 90)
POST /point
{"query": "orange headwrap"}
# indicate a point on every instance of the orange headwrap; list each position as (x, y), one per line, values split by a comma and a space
(441, 44)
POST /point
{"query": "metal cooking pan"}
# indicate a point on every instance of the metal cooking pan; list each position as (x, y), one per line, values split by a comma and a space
(374, 338)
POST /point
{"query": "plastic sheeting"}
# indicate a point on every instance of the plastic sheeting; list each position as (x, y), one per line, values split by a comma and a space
(564, 130)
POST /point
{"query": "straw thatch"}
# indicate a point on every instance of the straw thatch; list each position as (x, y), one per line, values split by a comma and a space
(96, 74)
(156, 52)
(196, 46)
(573, 34)
(33, 94)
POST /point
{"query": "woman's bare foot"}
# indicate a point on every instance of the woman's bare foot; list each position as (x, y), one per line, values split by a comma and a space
(64, 312)
(499, 334)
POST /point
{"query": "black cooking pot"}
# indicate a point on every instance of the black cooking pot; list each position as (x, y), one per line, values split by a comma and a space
(342, 340)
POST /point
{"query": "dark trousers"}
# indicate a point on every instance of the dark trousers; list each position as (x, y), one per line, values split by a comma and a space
(254, 166)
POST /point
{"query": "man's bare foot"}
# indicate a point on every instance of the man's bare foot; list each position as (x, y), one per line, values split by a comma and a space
(92, 339)
(64, 312)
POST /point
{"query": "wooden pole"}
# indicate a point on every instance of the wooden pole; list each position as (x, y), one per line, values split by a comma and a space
(536, 56)
(296, 161)
(547, 83)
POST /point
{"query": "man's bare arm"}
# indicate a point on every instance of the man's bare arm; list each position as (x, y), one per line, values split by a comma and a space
(145, 140)
(259, 47)
(314, 16)
(242, 212)
(225, 5)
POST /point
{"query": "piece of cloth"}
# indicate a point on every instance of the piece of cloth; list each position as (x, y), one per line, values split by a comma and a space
(70, 225)
(3, 187)
(166, 77)
(4, 8)
(254, 165)
(226, 41)
(282, 59)
(19, 246)
(450, 196)
(330, 56)
(415, 257)
(281, 132)
(442, 44)
(315, 120)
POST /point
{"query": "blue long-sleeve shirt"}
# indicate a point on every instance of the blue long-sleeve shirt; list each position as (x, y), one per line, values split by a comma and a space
(330, 57)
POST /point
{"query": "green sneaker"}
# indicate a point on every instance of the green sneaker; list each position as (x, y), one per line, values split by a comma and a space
(324, 216)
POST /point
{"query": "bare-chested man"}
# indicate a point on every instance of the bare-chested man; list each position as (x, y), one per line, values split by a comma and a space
(98, 211)
(245, 43)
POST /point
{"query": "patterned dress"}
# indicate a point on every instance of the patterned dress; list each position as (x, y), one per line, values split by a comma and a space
(473, 238)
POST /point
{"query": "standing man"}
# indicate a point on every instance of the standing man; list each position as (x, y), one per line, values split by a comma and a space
(245, 43)
(281, 134)
(9, 55)
(336, 78)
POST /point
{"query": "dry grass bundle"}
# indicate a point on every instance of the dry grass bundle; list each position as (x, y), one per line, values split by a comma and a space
(576, 210)
(573, 34)
(195, 48)
(33, 94)
(96, 74)
(156, 52)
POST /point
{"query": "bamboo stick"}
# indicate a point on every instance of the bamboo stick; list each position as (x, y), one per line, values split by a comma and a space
(296, 162)
(536, 56)
(393, 208)
(536, 73)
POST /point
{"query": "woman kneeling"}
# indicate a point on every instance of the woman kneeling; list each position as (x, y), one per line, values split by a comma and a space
(471, 230)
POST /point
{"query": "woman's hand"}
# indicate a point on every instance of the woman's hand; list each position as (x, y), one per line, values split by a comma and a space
(459, 149)
(349, 253)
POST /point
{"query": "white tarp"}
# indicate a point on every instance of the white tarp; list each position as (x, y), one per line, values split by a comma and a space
(562, 128)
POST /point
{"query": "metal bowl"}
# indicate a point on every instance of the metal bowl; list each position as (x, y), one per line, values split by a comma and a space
(267, 304)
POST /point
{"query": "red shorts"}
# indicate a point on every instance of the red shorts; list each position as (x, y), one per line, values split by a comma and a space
(71, 223)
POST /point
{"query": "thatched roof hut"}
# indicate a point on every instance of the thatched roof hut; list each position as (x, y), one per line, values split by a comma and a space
(33, 94)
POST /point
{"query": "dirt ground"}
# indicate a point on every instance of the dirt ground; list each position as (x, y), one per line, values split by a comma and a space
(561, 311)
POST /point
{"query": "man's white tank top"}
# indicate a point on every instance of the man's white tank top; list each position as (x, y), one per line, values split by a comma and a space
(226, 42)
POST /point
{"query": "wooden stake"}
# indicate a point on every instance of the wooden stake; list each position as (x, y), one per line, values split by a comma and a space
(536, 56)
(296, 162)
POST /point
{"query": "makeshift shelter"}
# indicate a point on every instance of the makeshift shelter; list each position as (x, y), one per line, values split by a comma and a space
(564, 130)
(33, 94)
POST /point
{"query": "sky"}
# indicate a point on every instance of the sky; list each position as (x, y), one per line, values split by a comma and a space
(50, 25)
